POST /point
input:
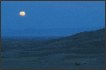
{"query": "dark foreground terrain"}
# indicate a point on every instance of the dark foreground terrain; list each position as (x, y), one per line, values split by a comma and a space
(82, 50)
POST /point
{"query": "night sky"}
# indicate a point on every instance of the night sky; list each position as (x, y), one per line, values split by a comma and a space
(44, 19)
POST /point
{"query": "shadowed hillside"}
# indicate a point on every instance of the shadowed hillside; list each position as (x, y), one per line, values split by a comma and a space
(81, 49)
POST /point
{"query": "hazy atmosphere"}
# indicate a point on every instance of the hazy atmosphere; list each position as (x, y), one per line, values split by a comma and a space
(51, 18)
(53, 34)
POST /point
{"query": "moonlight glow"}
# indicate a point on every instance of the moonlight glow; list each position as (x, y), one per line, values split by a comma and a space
(22, 13)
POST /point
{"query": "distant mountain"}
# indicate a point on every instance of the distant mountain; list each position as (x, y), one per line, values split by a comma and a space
(85, 35)
(91, 41)
(84, 48)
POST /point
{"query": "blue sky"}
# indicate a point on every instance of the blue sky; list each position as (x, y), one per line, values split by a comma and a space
(51, 18)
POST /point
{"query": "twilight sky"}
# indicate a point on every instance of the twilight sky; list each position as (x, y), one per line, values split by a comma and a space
(51, 18)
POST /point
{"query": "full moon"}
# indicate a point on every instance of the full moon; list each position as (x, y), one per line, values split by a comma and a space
(22, 13)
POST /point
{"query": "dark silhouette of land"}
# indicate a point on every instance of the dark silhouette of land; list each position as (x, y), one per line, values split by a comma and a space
(84, 49)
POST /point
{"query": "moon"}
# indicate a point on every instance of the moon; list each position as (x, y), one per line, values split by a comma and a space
(22, 13)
